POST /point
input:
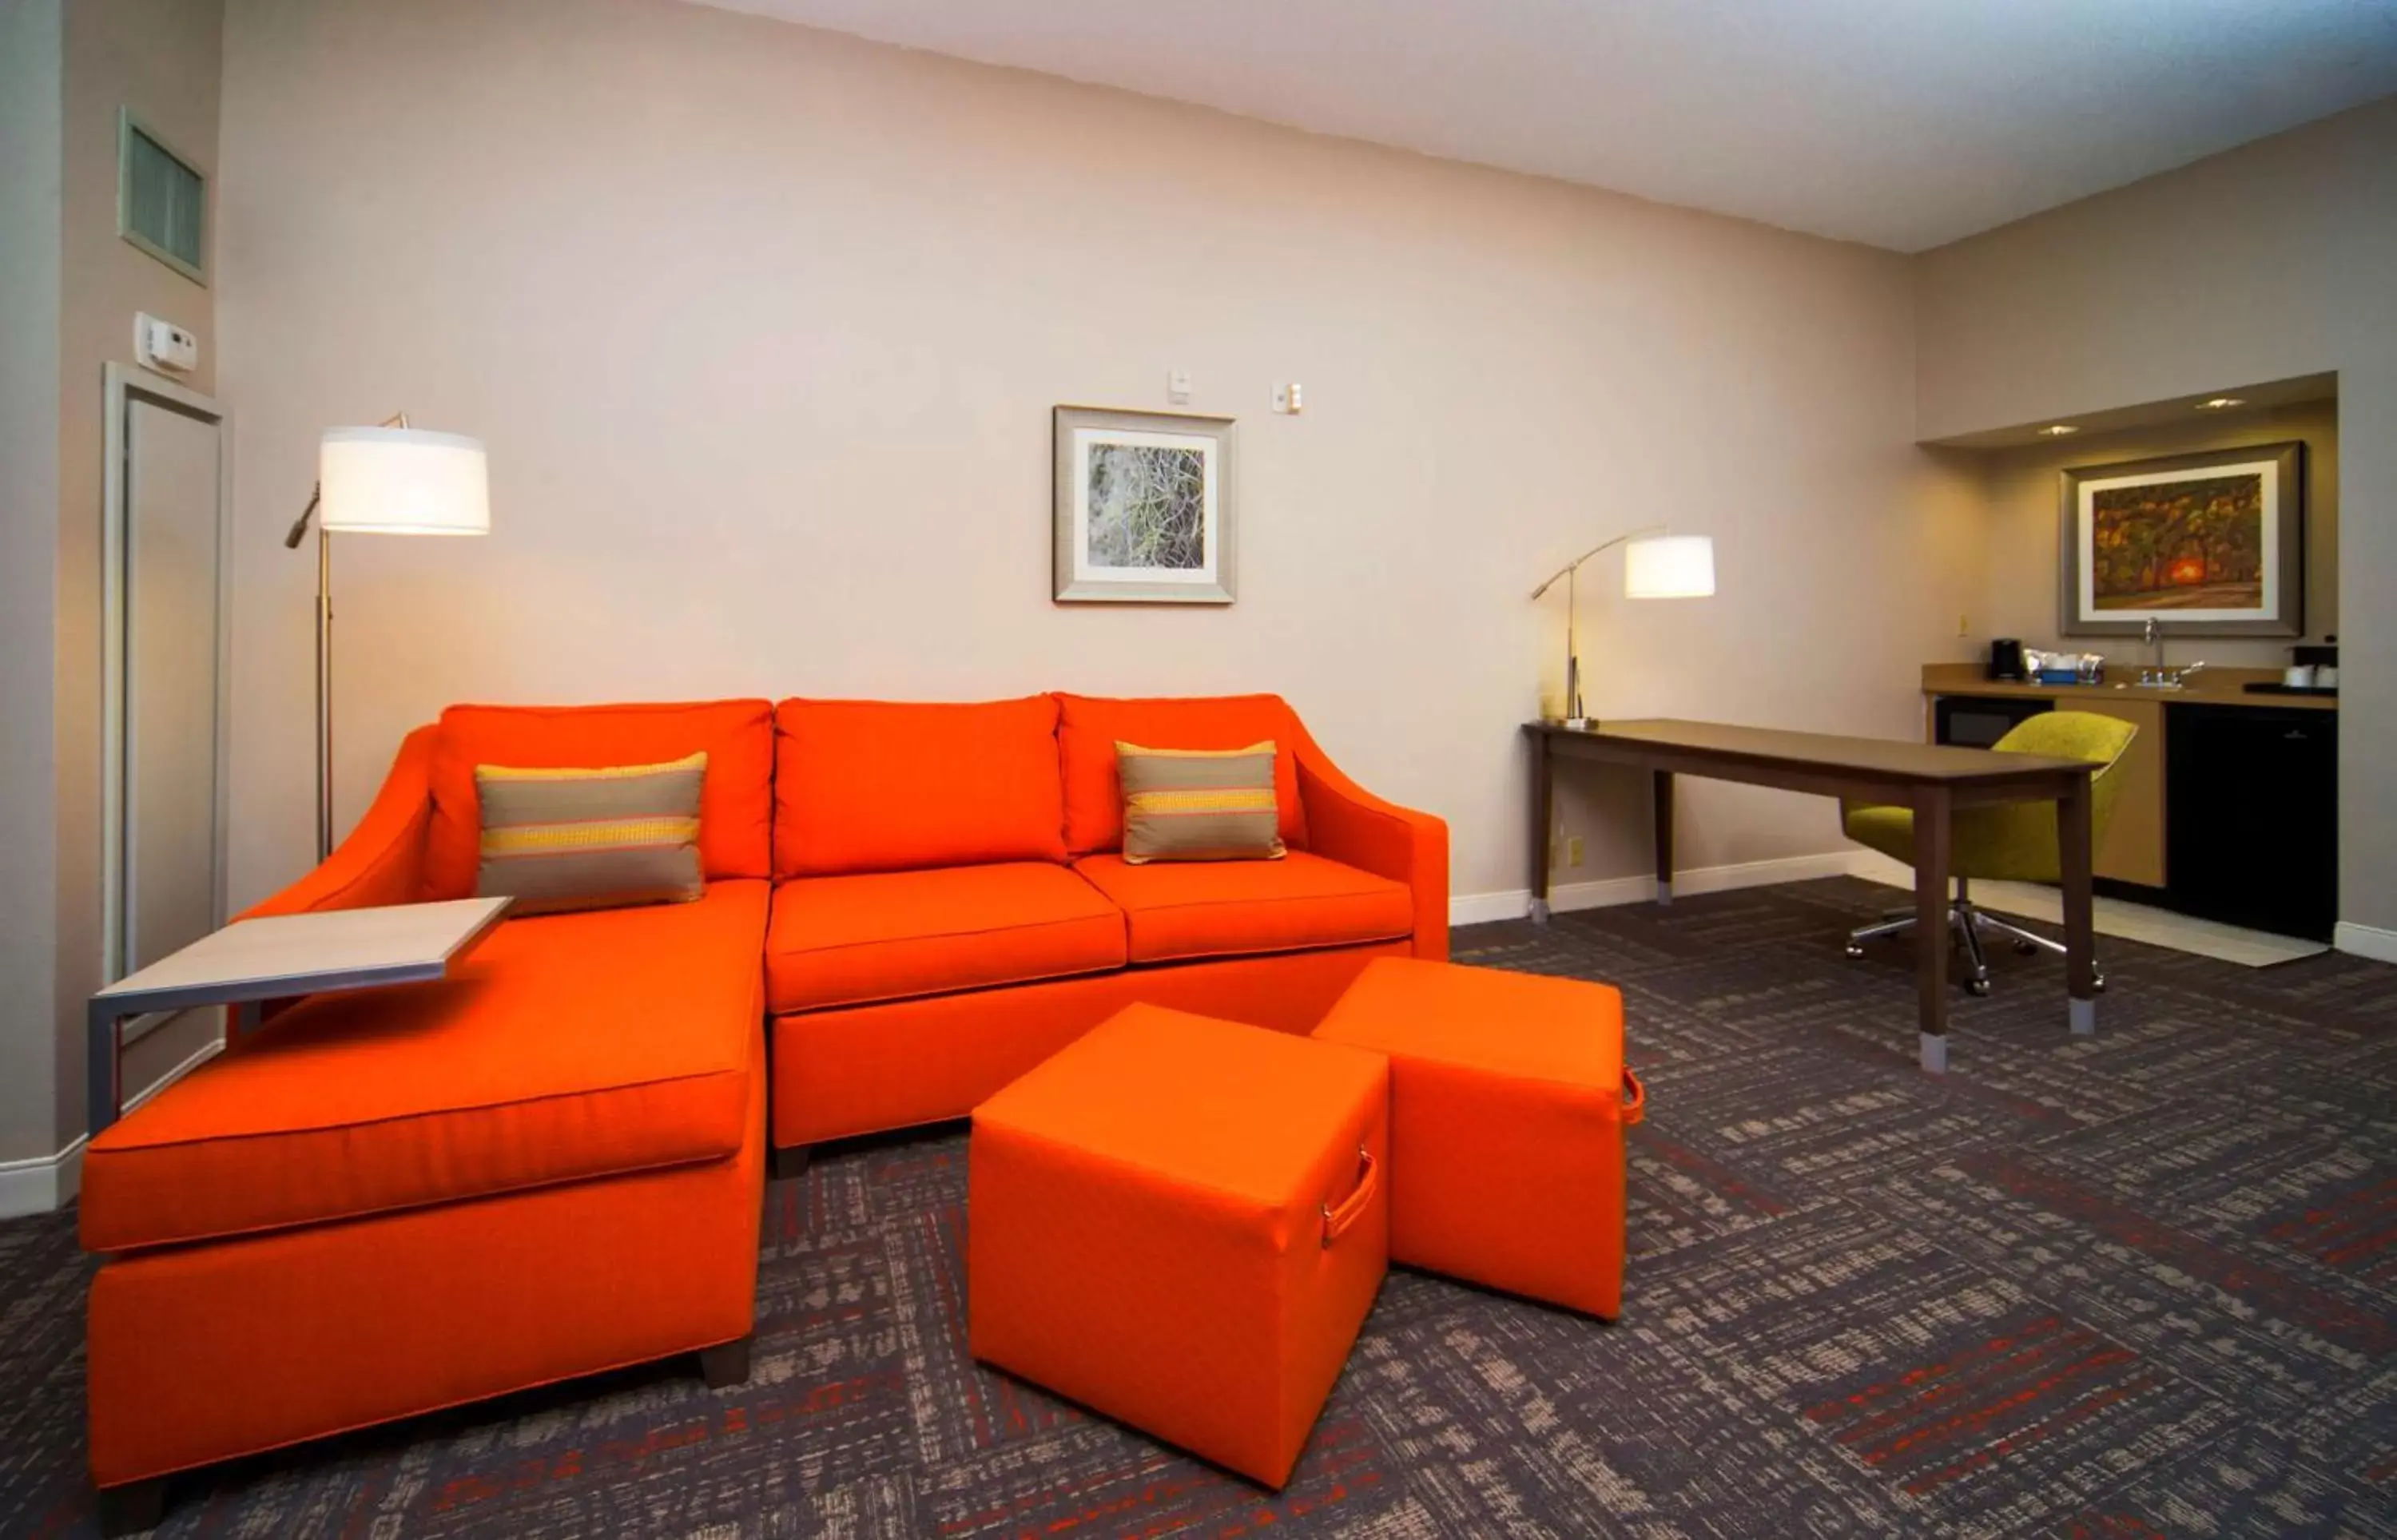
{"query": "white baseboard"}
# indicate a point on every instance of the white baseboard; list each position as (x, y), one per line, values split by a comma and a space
(2366, 941)
(1874, 867)
(1479, 909)
(41, 1183)
(48, 1181)
(1473, 908)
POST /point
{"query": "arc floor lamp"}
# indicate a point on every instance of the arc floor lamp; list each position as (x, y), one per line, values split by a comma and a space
(390, 479)
(1656, 565)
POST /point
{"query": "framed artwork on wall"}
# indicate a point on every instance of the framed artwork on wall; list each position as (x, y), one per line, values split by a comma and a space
(2209, 544)
(1143, 507)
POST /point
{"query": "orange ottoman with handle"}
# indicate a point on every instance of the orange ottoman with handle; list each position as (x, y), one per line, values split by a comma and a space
(1181, 1222)
(1508, 1099)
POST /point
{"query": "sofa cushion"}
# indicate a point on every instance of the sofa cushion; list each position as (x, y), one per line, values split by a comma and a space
(1089, 728)
(736, 803)
(1228, 909)
(889, 786)
(567, 1047)
(561, 839)
(1200, 804)
(874, 935)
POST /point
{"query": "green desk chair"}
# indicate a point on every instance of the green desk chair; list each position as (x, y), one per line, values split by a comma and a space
(2004, 842)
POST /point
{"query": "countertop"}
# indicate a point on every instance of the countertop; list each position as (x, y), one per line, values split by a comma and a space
(2212, 687)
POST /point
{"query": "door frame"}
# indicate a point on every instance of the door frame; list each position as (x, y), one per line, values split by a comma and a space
(124, 387)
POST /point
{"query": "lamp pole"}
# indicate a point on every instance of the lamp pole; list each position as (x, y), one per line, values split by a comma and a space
(324, 648)
(1569, 572)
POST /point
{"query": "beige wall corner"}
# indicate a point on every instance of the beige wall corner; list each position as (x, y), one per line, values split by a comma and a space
(763, 325)
(2268, 262)
(161, 59)
(31, 54)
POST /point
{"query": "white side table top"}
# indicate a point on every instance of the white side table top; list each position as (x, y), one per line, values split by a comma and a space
(295, 954)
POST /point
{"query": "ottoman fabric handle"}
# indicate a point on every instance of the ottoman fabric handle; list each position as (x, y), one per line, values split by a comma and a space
(1337, 1219)
(1635, 1098)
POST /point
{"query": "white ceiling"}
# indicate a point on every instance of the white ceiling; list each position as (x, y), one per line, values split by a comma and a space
(1901, 123)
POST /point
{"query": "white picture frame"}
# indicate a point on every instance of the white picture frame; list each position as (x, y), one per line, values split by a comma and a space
(2204, 544)
(1144, 511)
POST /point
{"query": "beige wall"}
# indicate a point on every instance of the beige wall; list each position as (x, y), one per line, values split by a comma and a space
(161, 57)
(2022, 488)
(2269, 262)
(30, 53)
(763, 327)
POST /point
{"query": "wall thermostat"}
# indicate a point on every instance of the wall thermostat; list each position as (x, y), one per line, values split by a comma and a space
(164, 346)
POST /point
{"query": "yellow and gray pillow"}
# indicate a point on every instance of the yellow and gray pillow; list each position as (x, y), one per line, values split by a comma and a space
(1198, 804)
(560, 840)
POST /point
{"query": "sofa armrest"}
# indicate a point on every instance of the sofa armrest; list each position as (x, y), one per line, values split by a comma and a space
(1351, 825)
(383, 861)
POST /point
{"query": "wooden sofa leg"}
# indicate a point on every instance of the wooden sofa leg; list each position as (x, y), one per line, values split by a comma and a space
(725, 1364)
(132, 1508)
(789, 1161)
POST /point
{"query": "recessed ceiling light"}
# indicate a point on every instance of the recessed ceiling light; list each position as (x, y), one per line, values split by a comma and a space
(2058, 430)
(2220, 403)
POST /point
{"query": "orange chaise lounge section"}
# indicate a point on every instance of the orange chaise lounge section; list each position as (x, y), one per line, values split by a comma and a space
(377, 1204)
(382, 1203)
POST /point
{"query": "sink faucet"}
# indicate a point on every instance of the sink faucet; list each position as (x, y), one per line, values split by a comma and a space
(2156, 676)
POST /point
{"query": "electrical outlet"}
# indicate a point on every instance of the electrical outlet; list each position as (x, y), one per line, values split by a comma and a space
(1572, 850)
(1963, 624)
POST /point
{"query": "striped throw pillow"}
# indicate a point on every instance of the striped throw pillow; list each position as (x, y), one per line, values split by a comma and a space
(1198, 804)
(563, 840)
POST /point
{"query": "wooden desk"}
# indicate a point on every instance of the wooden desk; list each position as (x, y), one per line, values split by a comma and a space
(1932, 779)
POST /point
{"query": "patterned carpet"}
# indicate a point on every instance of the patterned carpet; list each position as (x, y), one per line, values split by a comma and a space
(2136, 1285)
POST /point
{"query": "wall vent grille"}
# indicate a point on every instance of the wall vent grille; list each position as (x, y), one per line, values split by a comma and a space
(161, 200)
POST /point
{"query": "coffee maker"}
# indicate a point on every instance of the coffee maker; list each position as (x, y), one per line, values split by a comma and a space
(2006, 659)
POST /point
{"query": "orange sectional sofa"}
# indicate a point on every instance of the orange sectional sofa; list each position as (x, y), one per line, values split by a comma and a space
(949, 908)
(382, 1203)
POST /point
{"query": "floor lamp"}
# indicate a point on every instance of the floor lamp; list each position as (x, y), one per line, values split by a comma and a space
(1656, 565)
(387, 480)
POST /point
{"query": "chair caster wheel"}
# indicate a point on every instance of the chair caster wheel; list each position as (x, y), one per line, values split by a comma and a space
(1978, 988)
(2099, 983)
(1855, 950)
(2025, 947)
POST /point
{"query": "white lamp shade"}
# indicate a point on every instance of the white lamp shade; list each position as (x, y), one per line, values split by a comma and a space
(1669, 567)
(404, 481)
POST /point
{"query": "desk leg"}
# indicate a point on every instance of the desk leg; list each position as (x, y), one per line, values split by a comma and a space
(1664, 779)
(101, 1091)
(2074, 838)
(1543, 795)
(1934, 831)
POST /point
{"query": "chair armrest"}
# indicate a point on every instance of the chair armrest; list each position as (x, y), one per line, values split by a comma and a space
(383, 861)
(1351, 825)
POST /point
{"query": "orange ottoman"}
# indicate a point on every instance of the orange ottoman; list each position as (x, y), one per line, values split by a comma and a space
(1181, 1222)
(1508, 1099)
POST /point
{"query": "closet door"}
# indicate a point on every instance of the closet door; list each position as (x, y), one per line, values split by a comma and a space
(171, 548)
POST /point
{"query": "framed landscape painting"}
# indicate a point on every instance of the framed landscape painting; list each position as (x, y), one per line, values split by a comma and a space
(1143, 507)
(2209, 544)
